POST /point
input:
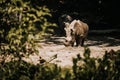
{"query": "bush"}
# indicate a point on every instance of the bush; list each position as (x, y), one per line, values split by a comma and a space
(84, 68)
(21, 23)
(106, 68)
(24, 71)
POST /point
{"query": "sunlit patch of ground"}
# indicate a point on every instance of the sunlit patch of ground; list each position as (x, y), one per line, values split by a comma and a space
(53, 48)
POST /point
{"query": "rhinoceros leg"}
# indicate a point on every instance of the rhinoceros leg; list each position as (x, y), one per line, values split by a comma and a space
(82, 41)
(77, 38)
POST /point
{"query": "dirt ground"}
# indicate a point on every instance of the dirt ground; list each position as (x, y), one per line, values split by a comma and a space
(53, 47)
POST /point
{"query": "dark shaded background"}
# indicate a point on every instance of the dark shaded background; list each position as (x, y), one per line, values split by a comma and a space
(99, 14)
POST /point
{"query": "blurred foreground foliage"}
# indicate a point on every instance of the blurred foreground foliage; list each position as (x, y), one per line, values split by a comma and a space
(84, 68)
(21, 23)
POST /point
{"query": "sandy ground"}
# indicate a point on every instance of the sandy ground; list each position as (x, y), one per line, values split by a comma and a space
(53, 46)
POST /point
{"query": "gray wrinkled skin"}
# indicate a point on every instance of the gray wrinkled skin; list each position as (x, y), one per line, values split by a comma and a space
(76, 31)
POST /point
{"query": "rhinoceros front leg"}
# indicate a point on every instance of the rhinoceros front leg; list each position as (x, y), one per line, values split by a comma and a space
(77, 39)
